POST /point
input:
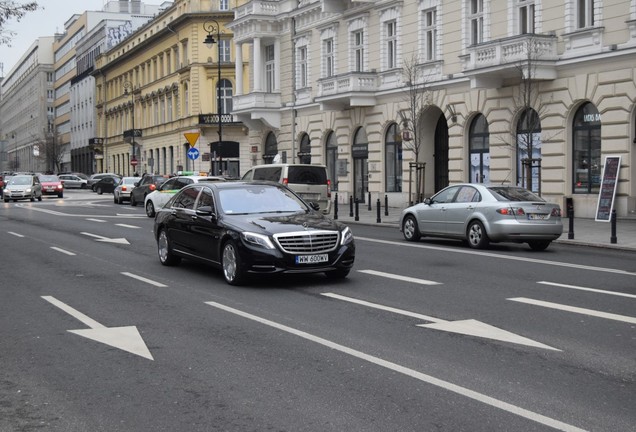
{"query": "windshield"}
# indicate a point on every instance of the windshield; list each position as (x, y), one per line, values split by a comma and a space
(21, 180)
(506, 193)
(259, 199)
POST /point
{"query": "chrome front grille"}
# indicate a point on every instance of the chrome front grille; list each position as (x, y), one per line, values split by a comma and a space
(307, 242)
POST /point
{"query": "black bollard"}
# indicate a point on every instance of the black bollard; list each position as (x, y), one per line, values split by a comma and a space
(386, 205)
(570, 223)
(350, 205)
(335, 207)
(613, 239)
(357, 218)
(378, 206)
(369, 207)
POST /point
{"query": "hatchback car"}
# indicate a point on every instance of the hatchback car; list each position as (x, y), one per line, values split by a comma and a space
(73, 181)
(106, 184)
(157, 199)
(97, 177)
(23, 186)
(251, 228)
(51, 185)
(148, 183)
(481, 214)
(124, 188)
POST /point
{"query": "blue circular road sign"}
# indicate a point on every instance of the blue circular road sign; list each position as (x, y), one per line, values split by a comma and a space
(193, 153)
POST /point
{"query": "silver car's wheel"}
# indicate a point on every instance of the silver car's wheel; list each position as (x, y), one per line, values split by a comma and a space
(166, 257)
(150, 209)
(232, 266)
(539, 245)
(477, 237)
(409, 229)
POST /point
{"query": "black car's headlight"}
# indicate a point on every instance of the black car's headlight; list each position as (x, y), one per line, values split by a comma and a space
(346, 236)
(259, 240)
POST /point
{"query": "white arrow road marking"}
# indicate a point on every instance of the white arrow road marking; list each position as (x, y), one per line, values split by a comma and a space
(15, 234)
(62, 250)
(399, 277)
(124, 338)
(463, 391)
(143, 279)
(578, 310)
(469, 327)
(106, 239)
(587, 289)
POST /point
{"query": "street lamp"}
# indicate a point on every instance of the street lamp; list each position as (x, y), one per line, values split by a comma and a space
(211, 27)
(128, 89)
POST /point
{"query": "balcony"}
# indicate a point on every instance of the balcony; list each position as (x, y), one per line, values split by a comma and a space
(259, 8)
(529, 56)
(354, 89)
(258, 109)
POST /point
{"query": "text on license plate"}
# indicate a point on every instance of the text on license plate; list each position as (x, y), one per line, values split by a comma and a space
(536, 216)
(311, 259)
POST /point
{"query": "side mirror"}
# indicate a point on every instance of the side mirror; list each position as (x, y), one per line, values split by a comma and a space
(428, 201)
(314, 205)
(205, 211)
(136, 184)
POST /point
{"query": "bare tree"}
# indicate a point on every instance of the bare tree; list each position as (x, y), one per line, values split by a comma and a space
(51, 152)
(10, 9)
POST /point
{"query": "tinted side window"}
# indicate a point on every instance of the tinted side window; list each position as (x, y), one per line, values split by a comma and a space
(186, 199)
(170, 184)
(307, 175)
(206, 199)
(267, 173)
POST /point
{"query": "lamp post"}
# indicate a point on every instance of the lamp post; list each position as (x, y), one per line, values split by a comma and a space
(211, 27)
(128, 89)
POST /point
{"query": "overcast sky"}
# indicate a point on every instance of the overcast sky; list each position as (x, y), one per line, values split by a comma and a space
(46, 21)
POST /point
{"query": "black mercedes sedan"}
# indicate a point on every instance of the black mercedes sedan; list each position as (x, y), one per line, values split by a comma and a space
(249, 228)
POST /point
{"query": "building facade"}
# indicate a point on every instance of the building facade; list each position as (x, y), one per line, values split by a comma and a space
(403, 96)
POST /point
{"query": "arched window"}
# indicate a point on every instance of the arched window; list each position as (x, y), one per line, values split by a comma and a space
(479, 147)
(586, 161)
(332, 158)
(529, 150)
(304, 155)
(271, 148)
(225, 88)
(393, 159)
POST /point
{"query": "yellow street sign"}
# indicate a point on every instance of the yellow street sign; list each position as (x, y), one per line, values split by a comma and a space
(192, 137)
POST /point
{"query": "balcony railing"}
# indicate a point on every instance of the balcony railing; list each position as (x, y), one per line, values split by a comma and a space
(512, 51)
(270, 8)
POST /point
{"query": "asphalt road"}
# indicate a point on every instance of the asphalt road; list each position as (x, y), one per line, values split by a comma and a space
(96, 335)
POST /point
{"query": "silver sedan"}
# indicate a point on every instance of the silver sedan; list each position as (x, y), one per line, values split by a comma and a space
(480, 214)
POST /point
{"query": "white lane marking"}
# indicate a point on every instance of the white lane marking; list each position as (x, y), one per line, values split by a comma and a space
(62, 250)
(621, 294)
(15, 234)
(128, 226)
(86, 216)
(400, 277)
(494, 255)
(582, 311)
(95, 220)
(143, 279)
(463, 391)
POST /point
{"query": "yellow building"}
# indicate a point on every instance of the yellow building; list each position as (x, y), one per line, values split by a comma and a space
(163, 83)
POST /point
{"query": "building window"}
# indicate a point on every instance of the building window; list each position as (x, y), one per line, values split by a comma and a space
(525, 16)
(224, 51)
(270, 68)
(528, 149)
(391, 44)
(584, 13)
(225, 88)
(476, 20)
(304, 156)
(332, 159)
(587, 150)
(393, 159)
(271, 148)
(479, 150)
(224, 5)
(357, 44)
(328, 58)
(301, 67)
(429, 34)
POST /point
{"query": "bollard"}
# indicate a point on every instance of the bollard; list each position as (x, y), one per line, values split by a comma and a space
(350, 205)
(386, 205)
(378, 206)
(335, 207)
(369, 207)
(613, 223)
(570, 223)
(357, 218)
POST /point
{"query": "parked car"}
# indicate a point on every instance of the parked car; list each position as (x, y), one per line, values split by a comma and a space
(97, 177)
(23, 186)
(311, 182)
(73, 181)
(251, 228)
(106, 184)
(148, 183)
(123, 189)
(51, 185)
(157, 199)
(481, 214)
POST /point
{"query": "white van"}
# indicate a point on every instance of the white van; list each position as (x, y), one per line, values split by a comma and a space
(310, 182)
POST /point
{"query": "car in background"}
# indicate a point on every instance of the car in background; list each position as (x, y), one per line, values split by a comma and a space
(97, 177)
(106, 184)
(123, 189)
(251, 228)
(51, 185)
(23, 186)
(157, 199)
(148, 183)
(481, 214)
(73, 181)
(1, 184)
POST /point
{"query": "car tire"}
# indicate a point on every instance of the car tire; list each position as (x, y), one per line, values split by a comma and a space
(150, 209)
(6, 200)
(539, 245)
(410, 229)
(476, 235)
(231, 263)
(32, 199)
(164, 249)
(133, 202)
(337, 274)
(99, 191)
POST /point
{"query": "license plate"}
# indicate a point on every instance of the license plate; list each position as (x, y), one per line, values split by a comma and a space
(311, 259)
(50, 189)
(536, 216)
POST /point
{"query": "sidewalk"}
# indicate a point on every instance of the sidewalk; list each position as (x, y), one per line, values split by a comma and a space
(586, 232)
